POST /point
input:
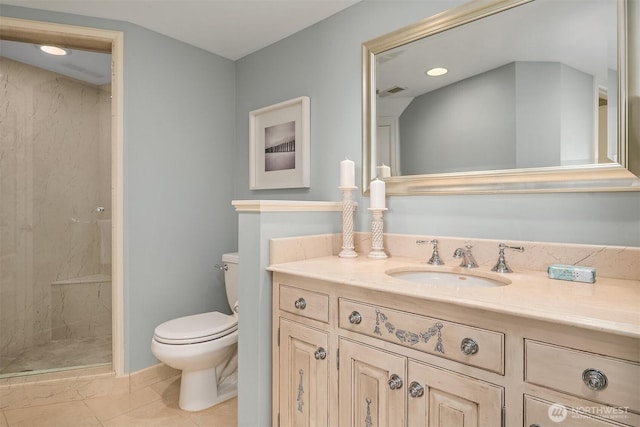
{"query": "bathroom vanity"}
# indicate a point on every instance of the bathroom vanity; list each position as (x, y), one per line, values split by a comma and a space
(353, 345)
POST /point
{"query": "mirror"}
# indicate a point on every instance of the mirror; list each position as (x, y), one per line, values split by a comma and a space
(536, 98)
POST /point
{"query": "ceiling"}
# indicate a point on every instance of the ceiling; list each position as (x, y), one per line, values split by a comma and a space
(229, 28)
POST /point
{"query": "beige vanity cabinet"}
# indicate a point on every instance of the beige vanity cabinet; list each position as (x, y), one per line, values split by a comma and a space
(379, 388)
(353, 356)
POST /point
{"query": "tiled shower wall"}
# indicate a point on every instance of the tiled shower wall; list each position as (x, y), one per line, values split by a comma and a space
(55, 170)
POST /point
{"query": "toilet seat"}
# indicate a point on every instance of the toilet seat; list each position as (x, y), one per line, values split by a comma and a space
(197, 328)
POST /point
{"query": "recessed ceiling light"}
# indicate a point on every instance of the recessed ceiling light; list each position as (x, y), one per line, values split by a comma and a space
(438, 71)
(54, 50)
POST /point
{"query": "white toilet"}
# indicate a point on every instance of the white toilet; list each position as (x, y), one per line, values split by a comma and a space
(205, 347)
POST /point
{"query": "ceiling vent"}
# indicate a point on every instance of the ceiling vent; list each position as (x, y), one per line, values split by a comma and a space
(391, 91)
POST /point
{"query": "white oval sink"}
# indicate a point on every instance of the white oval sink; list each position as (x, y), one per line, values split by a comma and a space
(448, 279)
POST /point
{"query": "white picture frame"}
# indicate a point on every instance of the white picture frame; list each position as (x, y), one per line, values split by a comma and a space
(279, 154)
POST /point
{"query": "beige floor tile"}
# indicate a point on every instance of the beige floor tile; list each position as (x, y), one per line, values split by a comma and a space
(68, 414)
(108, 407)
(152, 375)
(37, 394)
(222, 415)
(168, 390)
(108, 385)
(156, 414)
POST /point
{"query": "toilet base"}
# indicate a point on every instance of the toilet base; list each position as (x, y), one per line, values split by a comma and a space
(198, 391)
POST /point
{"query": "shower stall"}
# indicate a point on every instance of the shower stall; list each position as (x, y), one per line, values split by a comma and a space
(55, 211)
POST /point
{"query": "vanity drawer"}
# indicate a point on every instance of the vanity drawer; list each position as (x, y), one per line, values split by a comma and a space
(302, 302)
(613, 381)
(540, 413)
(471, 346)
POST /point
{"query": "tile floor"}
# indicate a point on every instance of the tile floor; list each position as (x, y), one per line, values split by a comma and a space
(155, 405)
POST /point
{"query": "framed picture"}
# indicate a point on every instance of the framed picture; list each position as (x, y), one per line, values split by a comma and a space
(279, 145)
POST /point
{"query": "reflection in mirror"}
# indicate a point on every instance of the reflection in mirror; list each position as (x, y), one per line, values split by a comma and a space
(532, 92)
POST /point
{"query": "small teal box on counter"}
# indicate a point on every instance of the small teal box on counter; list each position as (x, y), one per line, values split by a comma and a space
(574, 273)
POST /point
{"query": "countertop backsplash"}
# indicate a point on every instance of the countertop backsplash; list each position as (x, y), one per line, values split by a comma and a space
(609, 261)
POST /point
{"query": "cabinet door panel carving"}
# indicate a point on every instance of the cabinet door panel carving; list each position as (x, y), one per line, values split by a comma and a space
(371, 393)
(304, 401)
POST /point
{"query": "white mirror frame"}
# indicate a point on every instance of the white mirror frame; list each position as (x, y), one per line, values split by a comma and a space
(587, 178)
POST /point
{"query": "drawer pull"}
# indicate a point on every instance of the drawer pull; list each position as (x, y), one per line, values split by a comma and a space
(469, 346)
(300, 304)
(320, 354)
(415, 389)
(594, 379)
(355, 318)
(395, 382)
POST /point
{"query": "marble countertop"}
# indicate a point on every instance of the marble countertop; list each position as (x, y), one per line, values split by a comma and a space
(609, 305)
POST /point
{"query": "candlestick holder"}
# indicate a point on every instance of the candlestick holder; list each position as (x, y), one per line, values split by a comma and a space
(377, 228)
(348, 249)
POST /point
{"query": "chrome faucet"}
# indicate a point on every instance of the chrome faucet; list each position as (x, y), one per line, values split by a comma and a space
(468, 261)
(435, 257)
(501, 266)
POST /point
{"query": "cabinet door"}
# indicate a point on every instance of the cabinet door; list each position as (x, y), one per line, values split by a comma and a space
(440, 398)
(371, 386)
(304, 381)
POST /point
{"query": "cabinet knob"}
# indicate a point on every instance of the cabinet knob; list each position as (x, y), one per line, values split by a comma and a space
(355, 318)
(395, 382)
(469, 346)
(534, 425)
(300, 304)
(415, 389)
(320, 354)
(594, 379)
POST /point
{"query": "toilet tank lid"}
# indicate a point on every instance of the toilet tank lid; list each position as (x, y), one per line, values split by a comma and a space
(231, 257)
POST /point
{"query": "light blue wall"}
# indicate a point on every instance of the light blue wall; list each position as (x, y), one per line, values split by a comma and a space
(323, 62)
(254, 345)
(178, 154)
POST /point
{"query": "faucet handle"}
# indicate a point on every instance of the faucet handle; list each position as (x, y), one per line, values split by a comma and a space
(502, 247)
(501, 266)
(435, 257)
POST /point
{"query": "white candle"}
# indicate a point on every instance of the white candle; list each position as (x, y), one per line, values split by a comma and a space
(347, 173)
(383, 171)
(376, 191)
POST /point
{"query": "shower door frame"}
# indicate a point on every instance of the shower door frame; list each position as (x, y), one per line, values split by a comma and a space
(105, 41)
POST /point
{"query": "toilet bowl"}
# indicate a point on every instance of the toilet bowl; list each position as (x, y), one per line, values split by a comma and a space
(205, 348)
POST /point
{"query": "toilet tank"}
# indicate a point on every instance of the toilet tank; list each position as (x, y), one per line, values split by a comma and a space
(230, 262)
